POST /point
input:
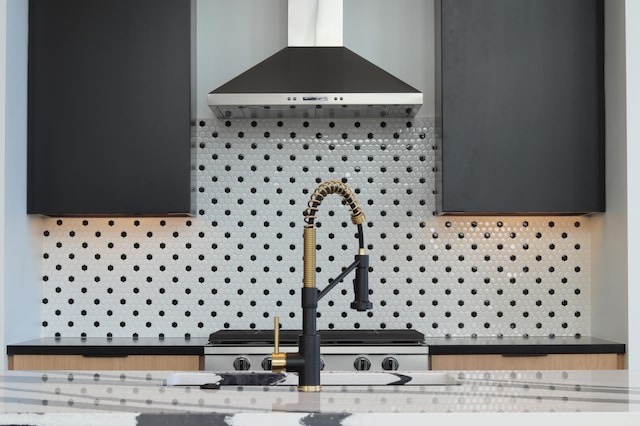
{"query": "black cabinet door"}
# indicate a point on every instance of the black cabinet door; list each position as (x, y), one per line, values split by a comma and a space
(520, 106)
(109, 120)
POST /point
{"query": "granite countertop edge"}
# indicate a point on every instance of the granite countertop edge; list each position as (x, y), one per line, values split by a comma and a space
(121, 346)
(489, 398)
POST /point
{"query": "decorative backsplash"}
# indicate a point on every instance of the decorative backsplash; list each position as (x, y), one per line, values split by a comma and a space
(238, 263)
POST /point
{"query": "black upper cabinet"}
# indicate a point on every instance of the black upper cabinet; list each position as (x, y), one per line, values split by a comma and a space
(109, 107)
(520, 106)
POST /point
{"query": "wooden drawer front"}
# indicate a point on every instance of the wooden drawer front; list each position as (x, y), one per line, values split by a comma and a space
(79, 362)
(545, 362)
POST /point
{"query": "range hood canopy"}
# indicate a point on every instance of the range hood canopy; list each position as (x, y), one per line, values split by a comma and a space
(315, 76)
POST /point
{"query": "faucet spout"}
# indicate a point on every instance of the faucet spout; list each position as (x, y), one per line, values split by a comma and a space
(307, 362)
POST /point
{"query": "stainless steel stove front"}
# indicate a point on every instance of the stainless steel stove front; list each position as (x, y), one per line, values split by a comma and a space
(334, 358)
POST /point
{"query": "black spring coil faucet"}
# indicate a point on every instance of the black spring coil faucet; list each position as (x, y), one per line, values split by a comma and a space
(306, 362)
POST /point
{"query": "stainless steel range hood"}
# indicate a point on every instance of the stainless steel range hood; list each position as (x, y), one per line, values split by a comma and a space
(315, 76)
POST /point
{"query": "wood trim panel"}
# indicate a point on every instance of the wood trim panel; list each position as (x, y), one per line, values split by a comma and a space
(621, 361)
(131, 362)
(546, 362)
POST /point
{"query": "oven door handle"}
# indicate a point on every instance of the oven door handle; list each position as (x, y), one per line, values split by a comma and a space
(524, 355)
(105, 355)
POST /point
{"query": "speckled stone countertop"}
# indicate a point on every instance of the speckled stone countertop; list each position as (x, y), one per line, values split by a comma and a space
(496, 398)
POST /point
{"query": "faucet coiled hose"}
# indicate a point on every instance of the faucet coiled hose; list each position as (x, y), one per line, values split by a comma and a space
(348, 198)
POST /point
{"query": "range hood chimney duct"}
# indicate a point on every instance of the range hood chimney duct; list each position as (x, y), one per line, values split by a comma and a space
(315, 76)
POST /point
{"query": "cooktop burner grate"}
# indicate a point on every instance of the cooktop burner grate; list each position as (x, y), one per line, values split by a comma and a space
(327, 337)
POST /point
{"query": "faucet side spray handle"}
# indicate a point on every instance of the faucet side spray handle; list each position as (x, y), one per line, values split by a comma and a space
(361, 284)
(276, 334)
(278, 359)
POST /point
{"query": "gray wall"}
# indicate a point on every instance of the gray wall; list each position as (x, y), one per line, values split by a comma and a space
(632, 31)
(20, 280)
(610, 238)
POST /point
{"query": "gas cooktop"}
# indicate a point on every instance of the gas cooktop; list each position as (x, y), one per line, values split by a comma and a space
(327, 337)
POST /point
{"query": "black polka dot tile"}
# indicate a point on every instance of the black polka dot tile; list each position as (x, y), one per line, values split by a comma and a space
(238, 262)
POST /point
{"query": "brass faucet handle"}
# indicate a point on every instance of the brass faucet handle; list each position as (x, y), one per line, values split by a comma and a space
(278, 359)
(276, 334)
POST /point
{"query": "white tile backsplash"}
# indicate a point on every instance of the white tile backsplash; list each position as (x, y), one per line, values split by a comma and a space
(239, 261)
